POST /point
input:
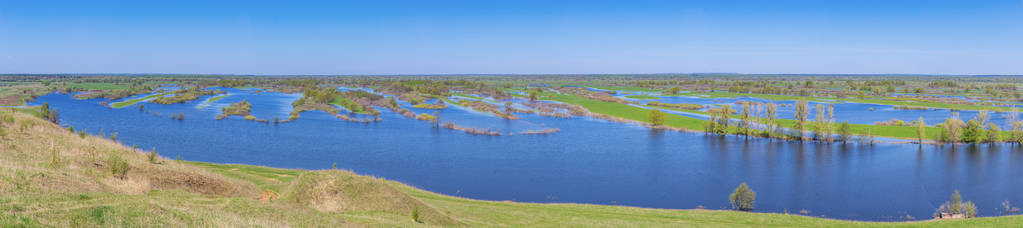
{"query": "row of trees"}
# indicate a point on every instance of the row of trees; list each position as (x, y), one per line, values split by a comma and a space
(976, 130)
(757, 119)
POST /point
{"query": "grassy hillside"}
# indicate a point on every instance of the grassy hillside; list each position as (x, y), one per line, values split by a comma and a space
(51, 177)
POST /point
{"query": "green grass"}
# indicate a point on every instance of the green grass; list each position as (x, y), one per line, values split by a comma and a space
(98, 86)
(757, 95)
(127, 103)
(467, 96)
(348, 104)
(264, 177)
(857, 100)
(213, 99)
(217, 98)
(449, 101)
(643, 97)
(480, 213)
(625, 111)
(623, 88)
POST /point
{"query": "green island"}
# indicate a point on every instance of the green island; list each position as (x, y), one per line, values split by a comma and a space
(643, 97)
(241, 108)
(130, 102)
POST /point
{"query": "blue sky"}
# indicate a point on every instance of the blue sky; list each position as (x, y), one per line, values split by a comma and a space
(465, 37)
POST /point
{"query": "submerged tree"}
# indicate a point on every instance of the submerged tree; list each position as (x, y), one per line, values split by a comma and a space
(829, 124)
(974, 132)
(711, 125)
(769, 115)
(951, 129)
(800, 118)
(745, 120)
(724, 118)
(921, 128)
(818, 121)
(956, 206)
(742, 198)
(844, 131)
(982, 117)
(994, 133)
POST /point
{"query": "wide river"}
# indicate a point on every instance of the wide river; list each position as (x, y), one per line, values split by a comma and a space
(589, 161)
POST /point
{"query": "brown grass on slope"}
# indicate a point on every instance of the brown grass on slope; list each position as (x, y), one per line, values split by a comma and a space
(345, 191)
(39, 157)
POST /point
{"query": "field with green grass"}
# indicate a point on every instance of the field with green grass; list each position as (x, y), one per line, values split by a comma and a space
(643, 97)
(97, 86)
(880, 101)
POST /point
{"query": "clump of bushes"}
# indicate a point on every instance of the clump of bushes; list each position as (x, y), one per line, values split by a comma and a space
(415, 215)
(152, 156)
(241, 108)
(956, 208)
(118, 166)
(426, 117)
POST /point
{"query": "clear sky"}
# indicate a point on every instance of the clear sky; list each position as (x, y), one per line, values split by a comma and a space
(464, 37)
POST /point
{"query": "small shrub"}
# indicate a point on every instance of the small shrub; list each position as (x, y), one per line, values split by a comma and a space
(71, 129)
(415, 215)
(81, 134)
(742, 198)
(152, 156)
(118, 167)
(969, 209)
(113, 136)
(55, 158)
(955, 206)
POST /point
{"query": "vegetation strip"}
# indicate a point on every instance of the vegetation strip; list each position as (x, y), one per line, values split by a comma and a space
(127, 103)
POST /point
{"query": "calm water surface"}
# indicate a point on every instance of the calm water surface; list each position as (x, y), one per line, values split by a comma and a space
(589, 161)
